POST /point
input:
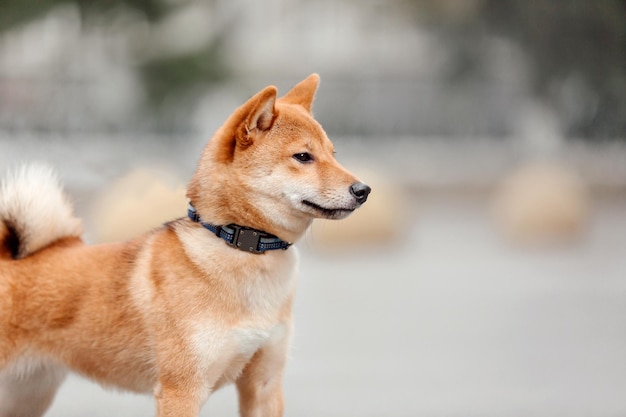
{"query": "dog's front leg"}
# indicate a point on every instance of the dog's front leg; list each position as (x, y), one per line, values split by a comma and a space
(183, 386)
(186, 381)
(182, 399)
(260, 385)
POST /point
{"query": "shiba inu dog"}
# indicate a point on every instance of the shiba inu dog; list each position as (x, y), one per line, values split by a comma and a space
(200, 302)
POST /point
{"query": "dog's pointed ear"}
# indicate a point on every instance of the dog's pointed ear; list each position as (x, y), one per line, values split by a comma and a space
(258, 116)
(262, 112)
(253, 117)
(304, 92)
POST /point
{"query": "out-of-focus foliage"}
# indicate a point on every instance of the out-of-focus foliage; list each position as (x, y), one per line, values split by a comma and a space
(576, 51)
(163, 75)
(459, 67)
(183, 71)
(17, 12)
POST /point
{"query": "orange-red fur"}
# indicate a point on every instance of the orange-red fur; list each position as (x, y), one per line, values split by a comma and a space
(177, 312)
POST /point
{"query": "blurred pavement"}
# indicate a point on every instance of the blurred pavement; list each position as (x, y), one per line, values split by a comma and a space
(450, 322)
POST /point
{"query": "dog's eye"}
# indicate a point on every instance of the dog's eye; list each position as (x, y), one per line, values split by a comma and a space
(303, 157)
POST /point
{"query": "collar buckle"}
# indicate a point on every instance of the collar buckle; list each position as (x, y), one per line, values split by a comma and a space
(245, 239)
(239, 237)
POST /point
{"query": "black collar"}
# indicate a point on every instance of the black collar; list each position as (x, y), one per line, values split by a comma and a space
(243, 238)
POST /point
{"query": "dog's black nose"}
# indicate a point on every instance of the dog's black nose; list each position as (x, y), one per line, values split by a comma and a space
(360, 191)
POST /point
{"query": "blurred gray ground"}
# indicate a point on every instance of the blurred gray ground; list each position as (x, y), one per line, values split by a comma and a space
(450, 321)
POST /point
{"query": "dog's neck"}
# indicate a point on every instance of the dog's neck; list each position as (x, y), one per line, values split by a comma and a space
(224, 211)
(240, 237)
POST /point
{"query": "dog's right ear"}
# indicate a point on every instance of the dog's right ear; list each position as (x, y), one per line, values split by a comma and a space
(253, 117)
(262, 111)
(258, 116)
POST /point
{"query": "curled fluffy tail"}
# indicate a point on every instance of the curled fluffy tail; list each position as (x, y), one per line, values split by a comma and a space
(34, 211)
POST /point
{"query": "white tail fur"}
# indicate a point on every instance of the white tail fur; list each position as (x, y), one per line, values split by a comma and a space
(35, 210)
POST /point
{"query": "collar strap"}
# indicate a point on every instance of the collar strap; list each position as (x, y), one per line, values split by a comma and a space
(243, 238)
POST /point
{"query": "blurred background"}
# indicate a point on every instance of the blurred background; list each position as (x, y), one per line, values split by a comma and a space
(486, 276)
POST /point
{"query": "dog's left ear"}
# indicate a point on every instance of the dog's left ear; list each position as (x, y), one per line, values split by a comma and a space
(303, 93)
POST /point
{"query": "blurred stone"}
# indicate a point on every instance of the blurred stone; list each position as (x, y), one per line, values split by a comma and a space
(136, 203)
(541, 203)
(379, 221)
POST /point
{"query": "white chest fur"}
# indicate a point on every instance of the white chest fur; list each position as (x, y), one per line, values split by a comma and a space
(227, 351)
(249, 340)
(260, 286)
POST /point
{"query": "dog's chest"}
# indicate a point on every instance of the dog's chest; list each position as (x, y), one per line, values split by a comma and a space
(262, 320)
(248, 310)
(229, 350)
(248, 340)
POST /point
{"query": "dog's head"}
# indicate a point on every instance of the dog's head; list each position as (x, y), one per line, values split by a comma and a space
(271, 166)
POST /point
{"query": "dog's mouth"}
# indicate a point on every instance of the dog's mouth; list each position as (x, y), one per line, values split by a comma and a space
(330, 213)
